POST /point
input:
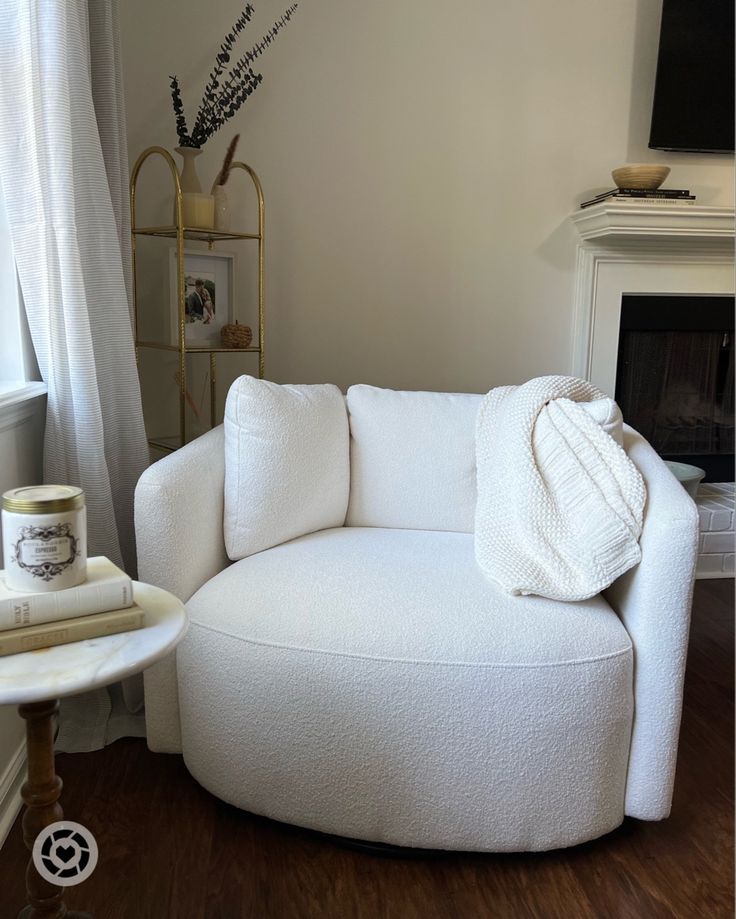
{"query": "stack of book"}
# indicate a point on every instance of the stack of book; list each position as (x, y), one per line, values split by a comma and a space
(103, 605)
(643, 196)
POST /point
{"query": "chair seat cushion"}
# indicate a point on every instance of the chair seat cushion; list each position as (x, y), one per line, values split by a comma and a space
(410, 594)
(371, 683)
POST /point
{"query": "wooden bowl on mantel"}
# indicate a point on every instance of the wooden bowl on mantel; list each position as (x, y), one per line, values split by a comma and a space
(646, 176)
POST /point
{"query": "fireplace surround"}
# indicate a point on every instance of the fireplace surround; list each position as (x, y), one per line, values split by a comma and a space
(661, 250)
(629, 249)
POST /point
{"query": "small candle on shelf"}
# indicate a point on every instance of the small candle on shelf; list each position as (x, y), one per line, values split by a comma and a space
(198, 210)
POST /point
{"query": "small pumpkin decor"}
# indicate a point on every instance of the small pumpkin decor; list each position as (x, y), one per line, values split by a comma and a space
(236, 335)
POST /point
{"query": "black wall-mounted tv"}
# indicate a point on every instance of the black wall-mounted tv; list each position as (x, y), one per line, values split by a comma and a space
(694, 90)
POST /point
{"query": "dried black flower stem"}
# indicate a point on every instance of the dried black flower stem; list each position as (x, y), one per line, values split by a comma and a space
(222, 59)
(214, 117)
(222, 99)
(181, 122)
(228, 95)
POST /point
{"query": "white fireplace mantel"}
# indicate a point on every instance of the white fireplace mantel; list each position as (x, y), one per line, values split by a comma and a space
(614, 223)
(641, 249)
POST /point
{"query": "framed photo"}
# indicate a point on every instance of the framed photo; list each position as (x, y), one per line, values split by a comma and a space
(208, 296)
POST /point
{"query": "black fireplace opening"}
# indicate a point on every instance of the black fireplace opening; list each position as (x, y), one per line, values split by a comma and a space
(675, 378)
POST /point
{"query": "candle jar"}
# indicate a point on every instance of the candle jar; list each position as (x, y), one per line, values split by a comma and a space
(44, 537)
(198, 211)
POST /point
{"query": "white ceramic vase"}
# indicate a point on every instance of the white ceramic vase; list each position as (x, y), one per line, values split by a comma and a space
(188, 178)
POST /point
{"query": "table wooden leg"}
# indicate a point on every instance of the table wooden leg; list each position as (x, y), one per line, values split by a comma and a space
(41, 796)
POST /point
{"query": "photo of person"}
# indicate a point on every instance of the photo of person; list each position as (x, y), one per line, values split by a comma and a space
(208, 298)
(200, 298)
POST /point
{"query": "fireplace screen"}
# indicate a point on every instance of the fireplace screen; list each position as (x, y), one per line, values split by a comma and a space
(675, 378)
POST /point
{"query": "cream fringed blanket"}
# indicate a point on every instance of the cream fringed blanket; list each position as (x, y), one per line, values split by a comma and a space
(560, 504)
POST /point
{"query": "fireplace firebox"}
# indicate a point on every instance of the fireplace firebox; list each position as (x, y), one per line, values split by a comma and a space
(675, 377)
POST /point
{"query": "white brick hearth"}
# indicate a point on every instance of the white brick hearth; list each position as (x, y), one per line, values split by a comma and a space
(716, 508)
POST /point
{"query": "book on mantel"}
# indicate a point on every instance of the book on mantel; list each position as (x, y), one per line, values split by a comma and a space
(65, 631)
(106, 588)
(643, 196)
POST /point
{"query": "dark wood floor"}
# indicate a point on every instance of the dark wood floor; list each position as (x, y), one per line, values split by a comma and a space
(169, 849)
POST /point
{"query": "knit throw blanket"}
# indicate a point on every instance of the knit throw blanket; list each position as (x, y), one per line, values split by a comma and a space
(560, 504)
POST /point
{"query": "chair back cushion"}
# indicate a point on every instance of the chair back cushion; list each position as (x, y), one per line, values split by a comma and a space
(412, 459)
(287, 463)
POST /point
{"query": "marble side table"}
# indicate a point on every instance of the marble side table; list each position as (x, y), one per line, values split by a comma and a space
(36, 680)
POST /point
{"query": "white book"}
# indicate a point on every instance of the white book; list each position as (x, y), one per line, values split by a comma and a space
(65, 631)
(106, 588)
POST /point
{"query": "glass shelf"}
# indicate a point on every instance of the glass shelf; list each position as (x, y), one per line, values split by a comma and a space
(189, 349)
(197, 233)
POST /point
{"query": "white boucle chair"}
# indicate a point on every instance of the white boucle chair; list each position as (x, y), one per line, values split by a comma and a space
(366, 680)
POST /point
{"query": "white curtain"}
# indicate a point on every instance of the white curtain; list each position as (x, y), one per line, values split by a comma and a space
(64, 172)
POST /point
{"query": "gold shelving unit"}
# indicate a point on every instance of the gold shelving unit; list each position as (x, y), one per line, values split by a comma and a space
(181, 233)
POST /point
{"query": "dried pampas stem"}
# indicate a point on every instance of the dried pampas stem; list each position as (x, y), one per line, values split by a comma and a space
(223, 174)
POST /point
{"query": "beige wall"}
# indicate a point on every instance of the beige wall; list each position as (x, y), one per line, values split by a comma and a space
(420, 160)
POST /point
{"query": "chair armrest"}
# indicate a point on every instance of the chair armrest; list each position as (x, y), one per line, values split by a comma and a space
(653, 601)
(179, 505)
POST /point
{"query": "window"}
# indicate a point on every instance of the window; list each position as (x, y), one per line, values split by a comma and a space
(18, 366)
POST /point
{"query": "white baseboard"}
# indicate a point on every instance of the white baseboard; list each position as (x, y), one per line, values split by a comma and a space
(10, 783)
